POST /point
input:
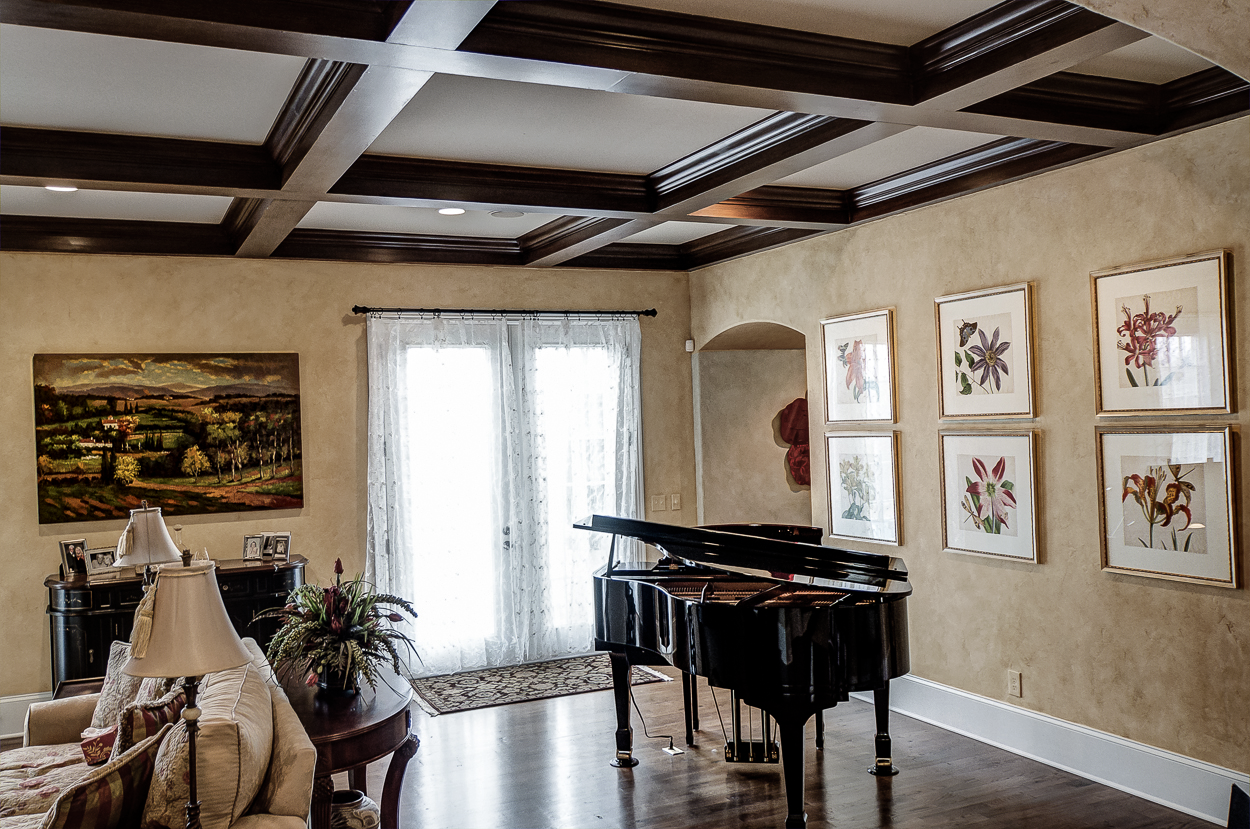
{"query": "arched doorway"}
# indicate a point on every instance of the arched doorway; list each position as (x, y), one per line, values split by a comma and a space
(743, 378)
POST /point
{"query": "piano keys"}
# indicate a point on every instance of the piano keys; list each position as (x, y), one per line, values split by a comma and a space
(791, 627)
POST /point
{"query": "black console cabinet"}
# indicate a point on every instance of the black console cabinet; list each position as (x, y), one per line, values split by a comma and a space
(86, 617)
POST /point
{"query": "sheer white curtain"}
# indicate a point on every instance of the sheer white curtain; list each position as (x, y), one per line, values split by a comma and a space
(488, 438)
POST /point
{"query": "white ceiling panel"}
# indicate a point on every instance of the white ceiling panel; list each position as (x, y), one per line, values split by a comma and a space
(674, 233)
(903, 151)
(1151, 60)
(112, 204)
(901, 22)
(70, 80)
(502, 122)
(383, 218)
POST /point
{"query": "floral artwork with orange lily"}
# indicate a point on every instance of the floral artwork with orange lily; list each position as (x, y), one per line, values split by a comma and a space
(347, 628)
(1166, 497)
(858, 381)
(989, 502)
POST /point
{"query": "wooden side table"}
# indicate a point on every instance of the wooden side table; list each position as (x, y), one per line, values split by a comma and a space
(351, 732)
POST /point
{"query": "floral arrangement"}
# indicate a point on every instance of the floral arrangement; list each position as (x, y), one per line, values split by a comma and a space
(344, 629)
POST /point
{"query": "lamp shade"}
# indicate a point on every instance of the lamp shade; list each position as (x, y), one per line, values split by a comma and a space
(191, 633)
(145, 540)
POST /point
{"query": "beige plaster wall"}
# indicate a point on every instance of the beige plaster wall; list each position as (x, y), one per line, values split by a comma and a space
(1164, 663)
(69, 303)
(742, 458)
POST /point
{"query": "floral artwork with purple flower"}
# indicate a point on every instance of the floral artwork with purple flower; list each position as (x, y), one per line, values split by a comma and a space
(987, 358)
(989, 502)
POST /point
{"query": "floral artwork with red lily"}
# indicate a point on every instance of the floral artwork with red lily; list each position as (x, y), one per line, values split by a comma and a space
(989, 500)
(1163, 505)
(1150, 336)
(859, 382)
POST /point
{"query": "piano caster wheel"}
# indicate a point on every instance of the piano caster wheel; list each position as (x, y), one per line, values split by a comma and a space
(624, 762)
(886, 770)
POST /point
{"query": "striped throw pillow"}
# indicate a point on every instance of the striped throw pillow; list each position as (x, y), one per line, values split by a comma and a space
(140, 720)
(113, 795)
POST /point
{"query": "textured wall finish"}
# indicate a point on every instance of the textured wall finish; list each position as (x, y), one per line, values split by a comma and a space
(1163, 663)
(66, 303)
(1218, 30)
(743, 464)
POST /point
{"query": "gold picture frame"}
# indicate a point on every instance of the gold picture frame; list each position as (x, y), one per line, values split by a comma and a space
(1172, 356)
(985, 353)
(1152, 476)
(864, 487)
(859, 369)
(1000, 519)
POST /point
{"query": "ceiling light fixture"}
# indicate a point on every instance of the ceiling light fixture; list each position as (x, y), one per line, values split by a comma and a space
(507, 214)
(451, 211)
(61, 188)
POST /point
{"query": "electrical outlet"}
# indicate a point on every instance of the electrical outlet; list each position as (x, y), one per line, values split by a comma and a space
(676, 499)
(658, 503)
(1013, 684)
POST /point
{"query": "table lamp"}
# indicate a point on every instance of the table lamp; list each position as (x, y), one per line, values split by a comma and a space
(145, 542)
(188, 634)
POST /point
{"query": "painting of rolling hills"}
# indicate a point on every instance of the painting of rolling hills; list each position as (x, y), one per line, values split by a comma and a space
(189, 433)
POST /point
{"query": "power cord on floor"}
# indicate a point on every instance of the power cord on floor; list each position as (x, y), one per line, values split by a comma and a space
(672, 749)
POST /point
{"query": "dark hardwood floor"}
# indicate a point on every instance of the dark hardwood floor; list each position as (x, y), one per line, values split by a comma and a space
(545, 764)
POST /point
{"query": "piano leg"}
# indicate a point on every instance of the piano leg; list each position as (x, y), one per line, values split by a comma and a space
(792, 748)
(884, 766)
(624, 732)
(820, 729)
(690, 705)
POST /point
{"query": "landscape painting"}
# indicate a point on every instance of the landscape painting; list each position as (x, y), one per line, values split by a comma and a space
(189, 433)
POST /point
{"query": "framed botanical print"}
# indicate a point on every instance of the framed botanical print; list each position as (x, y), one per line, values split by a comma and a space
(989, 500)
(1161, 336)
(1167, 508)
(858, 360)
(864, 498)
(985, 353)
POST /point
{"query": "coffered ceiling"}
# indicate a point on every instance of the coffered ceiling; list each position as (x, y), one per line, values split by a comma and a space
(645, 134)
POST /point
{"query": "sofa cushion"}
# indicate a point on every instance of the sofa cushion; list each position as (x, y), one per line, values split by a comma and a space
(288, 785)
(32, 778)
(97, 745)
(119, 689)
(232, 753)
(111, 796)
(141, 719)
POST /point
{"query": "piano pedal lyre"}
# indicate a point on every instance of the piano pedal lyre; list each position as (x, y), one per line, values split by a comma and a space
(739, 750)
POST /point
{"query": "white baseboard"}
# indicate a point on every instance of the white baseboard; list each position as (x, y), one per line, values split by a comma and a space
(13, 712)
(1173, 780)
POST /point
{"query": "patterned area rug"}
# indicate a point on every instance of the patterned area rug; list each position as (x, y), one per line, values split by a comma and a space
(520, 683)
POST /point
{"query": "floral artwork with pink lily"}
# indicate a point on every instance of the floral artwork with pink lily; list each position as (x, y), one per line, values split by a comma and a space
(1167, 497)
(989, 501)
(345, 628)
(859, 382)
(1153, 347)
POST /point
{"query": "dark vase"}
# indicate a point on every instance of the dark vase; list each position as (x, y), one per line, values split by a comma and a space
(335, 683)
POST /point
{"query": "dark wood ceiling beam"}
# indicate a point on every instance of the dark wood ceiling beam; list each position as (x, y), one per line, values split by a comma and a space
(61, 235)
(563, 239)
(30, 156)
(356, 246)
(740, 241)
(1202, 98)
(814, 208)
(1009, 45)
(632, 256)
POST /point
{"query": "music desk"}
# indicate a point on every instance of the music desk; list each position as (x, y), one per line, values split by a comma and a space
(351, 732)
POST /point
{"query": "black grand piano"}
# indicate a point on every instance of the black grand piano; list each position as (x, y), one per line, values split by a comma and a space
(791, 627)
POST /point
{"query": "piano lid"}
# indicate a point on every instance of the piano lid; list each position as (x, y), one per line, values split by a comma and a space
(775, 560)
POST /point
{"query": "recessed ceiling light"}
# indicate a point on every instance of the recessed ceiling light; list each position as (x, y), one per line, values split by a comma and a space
(507, 214)
(451, 211)
(61, 188)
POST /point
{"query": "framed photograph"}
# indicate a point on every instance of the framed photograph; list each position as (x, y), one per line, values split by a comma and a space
(858, 362)
(989, 501)
(864, 496)
(1161, 336)
(74, 557)
(253, 546)
(281, 546)
(985, 353)
(100, 563)
(1167, 505)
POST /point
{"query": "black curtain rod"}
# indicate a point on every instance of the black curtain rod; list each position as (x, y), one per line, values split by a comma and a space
(363, 309)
